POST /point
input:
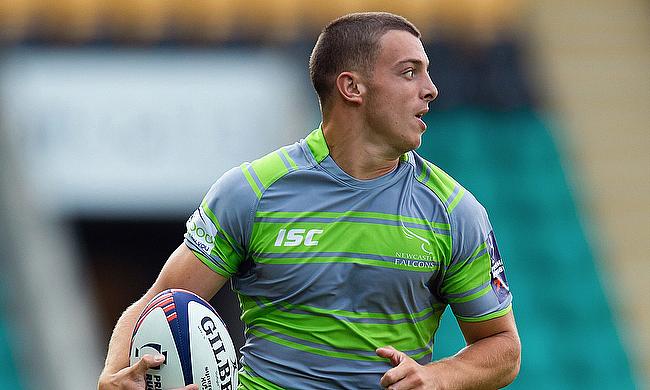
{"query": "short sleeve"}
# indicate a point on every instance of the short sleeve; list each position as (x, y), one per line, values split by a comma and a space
(219, 229)
(475, 284)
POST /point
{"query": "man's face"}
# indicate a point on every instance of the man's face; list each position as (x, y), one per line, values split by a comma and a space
(399, 92)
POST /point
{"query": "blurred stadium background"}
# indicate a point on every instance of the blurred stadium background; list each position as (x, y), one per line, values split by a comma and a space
(116, 117)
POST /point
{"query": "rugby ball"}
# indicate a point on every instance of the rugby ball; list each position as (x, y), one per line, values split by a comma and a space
(194, 340)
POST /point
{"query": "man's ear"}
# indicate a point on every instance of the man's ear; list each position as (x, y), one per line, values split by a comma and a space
(351, 87)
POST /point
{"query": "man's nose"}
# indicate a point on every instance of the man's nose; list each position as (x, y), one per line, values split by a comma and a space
(430, 90)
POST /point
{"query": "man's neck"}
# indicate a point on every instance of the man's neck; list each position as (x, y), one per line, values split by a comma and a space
(352, 150)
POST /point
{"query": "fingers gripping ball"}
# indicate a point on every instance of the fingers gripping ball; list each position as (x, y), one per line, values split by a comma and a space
(191, 336)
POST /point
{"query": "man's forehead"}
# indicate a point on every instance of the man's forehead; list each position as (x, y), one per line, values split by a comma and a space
(415, 61)
(398, 47)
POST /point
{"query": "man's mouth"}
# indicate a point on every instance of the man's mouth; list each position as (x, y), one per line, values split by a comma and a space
(423, 125)
(421, 113)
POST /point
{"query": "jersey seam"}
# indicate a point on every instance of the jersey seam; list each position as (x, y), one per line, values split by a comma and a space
(306, 150)
(255, 206)
(451, 223)
(253, 210)
(443, 270)
(282, 176)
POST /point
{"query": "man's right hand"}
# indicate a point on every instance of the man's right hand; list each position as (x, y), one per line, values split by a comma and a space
(182, 270)
(132, 378)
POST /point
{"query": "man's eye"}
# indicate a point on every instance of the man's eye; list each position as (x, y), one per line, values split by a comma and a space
(410, 73)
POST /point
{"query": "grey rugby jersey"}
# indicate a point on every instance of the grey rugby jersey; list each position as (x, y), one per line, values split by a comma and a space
(328, 268)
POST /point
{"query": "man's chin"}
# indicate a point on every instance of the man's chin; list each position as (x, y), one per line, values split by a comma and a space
(416, 143)
(410, 146)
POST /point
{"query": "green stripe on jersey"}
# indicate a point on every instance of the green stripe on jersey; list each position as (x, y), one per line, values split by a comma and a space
(269, 169)
(422, 266)
(316, 142)
(471, 297)
(213, 218)
(314, 350)
(248, 380)
(355, 214)
(439, 182)
(251, 181)
(367, 315)
(422, 174)
(354, 237)
(456, 200)
(454, 268)
(328, 353)
(286, 155)
(473, 276)
(325, 329)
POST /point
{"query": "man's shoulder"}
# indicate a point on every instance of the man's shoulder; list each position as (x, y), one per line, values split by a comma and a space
(460, 204)
(236, 194)
(468, 218)
(445, 187)
(266, 170)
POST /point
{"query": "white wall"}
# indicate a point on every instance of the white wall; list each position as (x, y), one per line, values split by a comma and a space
(146, 131)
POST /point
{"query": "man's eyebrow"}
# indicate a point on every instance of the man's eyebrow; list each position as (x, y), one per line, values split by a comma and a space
(413, 61)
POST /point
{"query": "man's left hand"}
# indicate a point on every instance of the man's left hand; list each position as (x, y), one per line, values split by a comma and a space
(406, 372)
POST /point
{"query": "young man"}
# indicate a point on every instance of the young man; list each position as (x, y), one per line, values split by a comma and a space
(346, 247)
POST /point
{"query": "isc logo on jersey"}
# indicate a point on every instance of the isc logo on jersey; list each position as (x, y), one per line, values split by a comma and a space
(201, 230)
(296, 237)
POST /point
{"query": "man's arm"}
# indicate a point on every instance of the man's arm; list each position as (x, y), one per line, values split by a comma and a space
(489, 361)
(182, 270)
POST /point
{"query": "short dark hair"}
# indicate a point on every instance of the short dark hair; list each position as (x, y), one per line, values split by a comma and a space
(351, 43)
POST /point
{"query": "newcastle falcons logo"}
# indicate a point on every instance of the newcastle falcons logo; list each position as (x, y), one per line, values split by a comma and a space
(411, 235)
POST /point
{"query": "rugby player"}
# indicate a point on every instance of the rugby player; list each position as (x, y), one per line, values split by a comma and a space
(346, 247)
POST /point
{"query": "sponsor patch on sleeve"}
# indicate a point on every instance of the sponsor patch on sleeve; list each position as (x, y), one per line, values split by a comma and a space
(497, 270)
(201, 231)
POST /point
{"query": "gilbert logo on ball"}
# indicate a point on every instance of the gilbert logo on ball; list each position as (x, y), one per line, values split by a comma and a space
(197, 347)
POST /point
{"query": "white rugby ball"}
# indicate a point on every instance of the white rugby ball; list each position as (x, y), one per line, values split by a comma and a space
(194, 340)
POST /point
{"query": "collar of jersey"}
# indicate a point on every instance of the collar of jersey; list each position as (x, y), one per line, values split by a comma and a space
(319, 150)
